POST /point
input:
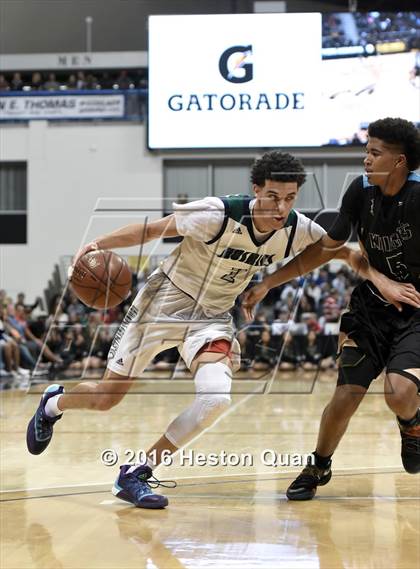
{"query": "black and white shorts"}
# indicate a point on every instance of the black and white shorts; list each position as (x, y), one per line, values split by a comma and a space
(386, 338)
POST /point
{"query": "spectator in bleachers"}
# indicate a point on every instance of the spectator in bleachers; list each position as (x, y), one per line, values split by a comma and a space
(91, 82)
(106, 81)
(16, 83)
(28, 307)
(124, 81)
(313, 292)
(247, 350)
(57, 315)
(321, 277)
(4, 84)
(75, 309)
(71, 82)
(36, 82)
(30, 346)
(55, 341)
(339, 282)
(265, 354)
(3, 371)
(306, 307)
(331, 308)
(102, 345)
(10, 349)
(291, 355)
(81, 80)
(254, 331)
(289, 302)
(289, 290)
(51, 84)
(80, 346)
(280, 322)
(9, 355)
(372, 27)
(313, 353)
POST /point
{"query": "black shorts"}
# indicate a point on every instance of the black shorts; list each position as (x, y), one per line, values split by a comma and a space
(386, 338)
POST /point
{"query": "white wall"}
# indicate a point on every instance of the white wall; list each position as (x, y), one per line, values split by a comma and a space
(70, 166)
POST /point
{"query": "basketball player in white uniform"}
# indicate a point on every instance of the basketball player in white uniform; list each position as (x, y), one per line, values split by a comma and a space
(185, 303)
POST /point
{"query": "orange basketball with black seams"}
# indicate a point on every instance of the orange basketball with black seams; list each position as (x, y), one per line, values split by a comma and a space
(101, 279)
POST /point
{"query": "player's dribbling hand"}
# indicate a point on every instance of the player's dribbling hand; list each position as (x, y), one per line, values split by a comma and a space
(397, 293)
(92, 246)
(252, 297)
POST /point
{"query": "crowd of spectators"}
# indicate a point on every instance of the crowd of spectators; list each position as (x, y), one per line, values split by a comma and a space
(384, 27)
(333, 33)
(296, 324)
(69, 337)
(80, 80)
(372, 28)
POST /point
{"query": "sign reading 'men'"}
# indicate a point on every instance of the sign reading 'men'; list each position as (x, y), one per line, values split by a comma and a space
(236, 80)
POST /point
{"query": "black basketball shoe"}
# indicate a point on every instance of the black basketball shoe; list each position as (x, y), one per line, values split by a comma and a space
(410, 445)
(305, 485)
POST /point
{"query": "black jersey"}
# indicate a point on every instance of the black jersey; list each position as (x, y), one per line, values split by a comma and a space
(387, 226)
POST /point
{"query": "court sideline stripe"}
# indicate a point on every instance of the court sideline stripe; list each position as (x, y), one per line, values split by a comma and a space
(340, 473)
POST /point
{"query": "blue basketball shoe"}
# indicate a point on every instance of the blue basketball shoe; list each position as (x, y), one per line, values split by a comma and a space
(136, 487)
(40, 427)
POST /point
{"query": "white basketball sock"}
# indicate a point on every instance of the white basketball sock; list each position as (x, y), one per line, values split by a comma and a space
(51, 407)
(149, 463)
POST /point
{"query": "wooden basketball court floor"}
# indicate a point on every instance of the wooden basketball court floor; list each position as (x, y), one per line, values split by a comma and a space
(57, 510)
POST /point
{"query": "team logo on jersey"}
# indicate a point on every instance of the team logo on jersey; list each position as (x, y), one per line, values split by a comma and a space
(392, 241)
(247, 257)
(234, 64)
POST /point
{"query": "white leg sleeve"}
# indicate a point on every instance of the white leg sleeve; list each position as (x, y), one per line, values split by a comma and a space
(213, 383)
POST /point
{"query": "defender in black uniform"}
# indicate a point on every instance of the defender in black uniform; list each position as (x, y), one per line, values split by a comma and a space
(381, 329)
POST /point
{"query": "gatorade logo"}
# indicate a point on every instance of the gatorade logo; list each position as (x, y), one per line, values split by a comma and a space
(234, 64)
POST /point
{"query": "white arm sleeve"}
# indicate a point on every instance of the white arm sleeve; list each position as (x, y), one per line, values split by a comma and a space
(200, 219)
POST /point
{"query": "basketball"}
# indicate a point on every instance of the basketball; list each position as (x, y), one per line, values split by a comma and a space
(101, 279)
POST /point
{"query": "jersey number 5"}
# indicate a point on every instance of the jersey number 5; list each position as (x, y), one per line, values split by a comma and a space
(397, 267)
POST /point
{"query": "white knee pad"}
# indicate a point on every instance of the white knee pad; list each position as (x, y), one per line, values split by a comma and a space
(213, 383)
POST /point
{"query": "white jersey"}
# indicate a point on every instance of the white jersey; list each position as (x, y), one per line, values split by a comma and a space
(221, 249)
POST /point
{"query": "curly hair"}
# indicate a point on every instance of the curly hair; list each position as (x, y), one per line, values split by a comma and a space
(399, 132)
(279, 167)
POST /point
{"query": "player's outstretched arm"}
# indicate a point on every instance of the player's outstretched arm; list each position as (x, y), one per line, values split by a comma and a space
(130, 235)
(393, 291)
(310, 258)
(320, 253)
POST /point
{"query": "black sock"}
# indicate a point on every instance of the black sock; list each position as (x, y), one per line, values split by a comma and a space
(410, 422)
(322, 461)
